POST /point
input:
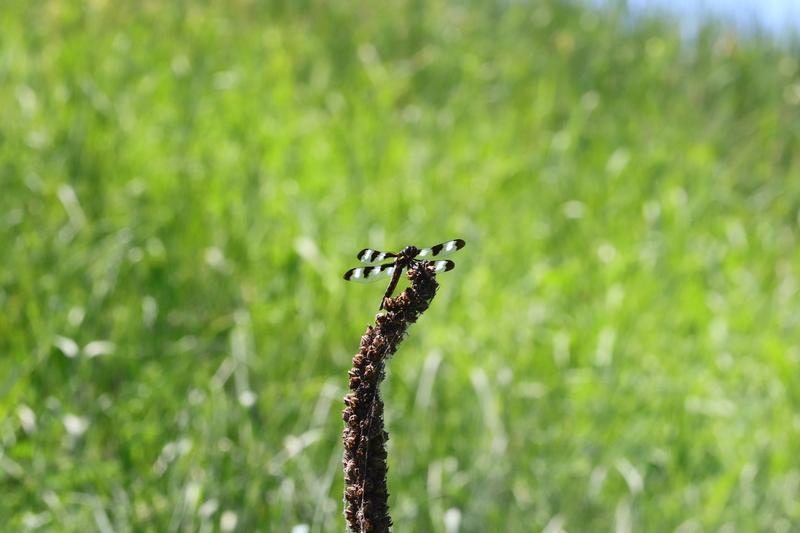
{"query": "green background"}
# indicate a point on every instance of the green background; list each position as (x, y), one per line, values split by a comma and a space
(183, 184)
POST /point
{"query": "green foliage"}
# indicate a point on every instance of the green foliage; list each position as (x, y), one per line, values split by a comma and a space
(187, 181)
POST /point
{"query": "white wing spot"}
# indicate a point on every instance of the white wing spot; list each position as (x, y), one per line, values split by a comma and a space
(357, 273)
(440, 266)
(450, 246)
(424, 252)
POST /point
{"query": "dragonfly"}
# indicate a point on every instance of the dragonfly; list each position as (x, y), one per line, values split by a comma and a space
(406, 258)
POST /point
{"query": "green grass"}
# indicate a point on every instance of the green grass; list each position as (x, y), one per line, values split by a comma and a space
(618, 345)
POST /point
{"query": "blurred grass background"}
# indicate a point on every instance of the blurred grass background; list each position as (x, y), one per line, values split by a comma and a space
(184, 183)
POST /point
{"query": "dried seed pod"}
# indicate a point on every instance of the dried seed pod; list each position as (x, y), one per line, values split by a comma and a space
(366, 494)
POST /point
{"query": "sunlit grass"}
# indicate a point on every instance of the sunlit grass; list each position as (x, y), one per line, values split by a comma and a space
(183, 186)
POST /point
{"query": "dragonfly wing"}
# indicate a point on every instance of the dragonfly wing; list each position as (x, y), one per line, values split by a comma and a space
(443, 266)
(368, 255)
(441, 250)
(369, 274)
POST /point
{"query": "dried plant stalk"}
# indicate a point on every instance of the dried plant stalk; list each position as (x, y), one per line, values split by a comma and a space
(366, 495)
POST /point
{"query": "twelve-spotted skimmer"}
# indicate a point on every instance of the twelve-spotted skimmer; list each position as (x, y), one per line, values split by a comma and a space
(406, 258)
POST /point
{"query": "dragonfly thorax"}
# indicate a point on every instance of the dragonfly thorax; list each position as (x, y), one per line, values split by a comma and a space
(410, 251)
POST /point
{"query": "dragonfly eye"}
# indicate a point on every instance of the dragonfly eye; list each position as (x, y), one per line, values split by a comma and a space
(410, 251)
